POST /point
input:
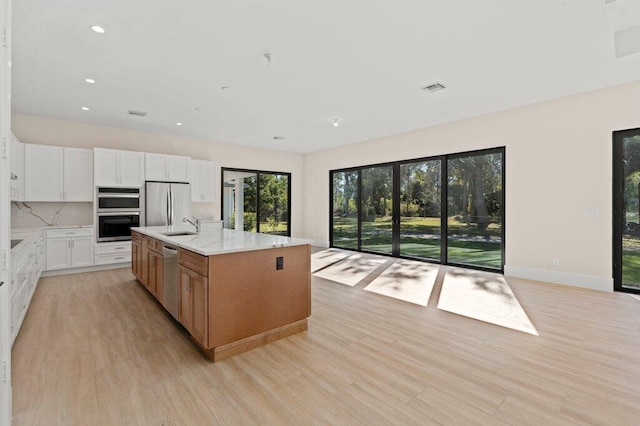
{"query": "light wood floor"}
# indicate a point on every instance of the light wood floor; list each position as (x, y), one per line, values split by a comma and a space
(96, 349)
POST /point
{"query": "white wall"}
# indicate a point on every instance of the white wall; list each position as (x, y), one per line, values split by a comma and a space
(46, 131)
(558, 162)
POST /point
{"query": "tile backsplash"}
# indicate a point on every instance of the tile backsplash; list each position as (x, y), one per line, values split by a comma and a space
(52, 214)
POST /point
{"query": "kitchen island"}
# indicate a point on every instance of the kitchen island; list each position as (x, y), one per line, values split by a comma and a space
(233, 290)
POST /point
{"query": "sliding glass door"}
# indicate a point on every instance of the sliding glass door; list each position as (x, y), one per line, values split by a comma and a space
(446, 209)
(256, 201)
(474, 213)
(344, 211)
(377, 209)
(274, 203)
(420, 209)
(626, 210)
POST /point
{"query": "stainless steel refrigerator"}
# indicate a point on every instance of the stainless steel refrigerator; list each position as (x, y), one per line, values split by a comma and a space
(167, 203)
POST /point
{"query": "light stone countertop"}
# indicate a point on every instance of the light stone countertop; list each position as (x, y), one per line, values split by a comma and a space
(218, 241)
(26, 233)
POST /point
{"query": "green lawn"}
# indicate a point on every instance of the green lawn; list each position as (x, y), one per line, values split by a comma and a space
(275, 228)
(631, 261)
(420, 237)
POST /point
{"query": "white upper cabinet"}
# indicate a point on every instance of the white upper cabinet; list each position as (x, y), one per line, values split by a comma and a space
(78, 174)
(17, 169)
(118, 168)
(169, 168)
(54, 173)
(202, 177)
(44, 171)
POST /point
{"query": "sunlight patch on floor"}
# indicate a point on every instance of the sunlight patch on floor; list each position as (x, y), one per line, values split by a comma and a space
(324, 258)
(483, 296)
(406, 280)
(351, 270)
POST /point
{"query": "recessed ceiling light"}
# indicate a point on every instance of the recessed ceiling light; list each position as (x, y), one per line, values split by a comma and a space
(279, 138)
(85, 108)
(178, 124)
(98, 29)
(89, 80)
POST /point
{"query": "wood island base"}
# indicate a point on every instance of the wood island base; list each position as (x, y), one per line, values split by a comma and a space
(249, 343)
(229, 302)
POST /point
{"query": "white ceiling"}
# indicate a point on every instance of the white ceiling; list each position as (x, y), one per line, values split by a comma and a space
(363, 61)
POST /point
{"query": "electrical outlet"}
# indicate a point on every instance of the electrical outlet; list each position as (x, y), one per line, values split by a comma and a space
(555, 261)
(19, 213)
(74, 212)
(279, 263)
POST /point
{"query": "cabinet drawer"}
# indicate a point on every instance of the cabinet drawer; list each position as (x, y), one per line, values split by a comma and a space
(106, 259)
(195, 262)
(113, 248)
(69, 233)
(155, 245)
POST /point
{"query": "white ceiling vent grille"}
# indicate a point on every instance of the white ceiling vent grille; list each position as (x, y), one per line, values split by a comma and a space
(435, 87)
(138, 113)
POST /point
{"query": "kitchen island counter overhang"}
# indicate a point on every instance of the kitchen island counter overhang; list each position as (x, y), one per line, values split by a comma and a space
(232, 290)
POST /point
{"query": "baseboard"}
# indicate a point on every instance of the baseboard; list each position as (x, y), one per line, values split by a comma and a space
(320, 244)
(566, 278)
(92, 268)
(244, 345)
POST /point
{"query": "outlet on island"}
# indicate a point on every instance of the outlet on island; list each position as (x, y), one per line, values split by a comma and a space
(279, 263)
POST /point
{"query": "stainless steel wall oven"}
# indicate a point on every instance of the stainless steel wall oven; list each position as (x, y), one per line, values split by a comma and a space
(118, 210)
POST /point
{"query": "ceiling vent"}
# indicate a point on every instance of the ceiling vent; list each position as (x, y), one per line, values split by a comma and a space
(138, 113)
(435, 87)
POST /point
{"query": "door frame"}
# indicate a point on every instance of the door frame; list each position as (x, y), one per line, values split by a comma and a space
(618, 208)
(5, 219)
(257, 173)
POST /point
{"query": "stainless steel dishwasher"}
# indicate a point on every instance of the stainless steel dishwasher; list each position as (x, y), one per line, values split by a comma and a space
(170, 287)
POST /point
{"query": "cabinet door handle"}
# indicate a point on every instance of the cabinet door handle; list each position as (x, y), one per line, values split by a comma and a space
(65, 195)
(119, 258)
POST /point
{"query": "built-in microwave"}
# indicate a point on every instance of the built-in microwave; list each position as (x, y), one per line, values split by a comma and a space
(120, 199)
(118, 210)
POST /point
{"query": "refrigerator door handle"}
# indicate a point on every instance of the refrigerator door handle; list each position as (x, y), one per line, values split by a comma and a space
(171, 204)
(168, 206)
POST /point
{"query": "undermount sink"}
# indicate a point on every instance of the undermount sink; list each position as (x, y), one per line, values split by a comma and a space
(178, 233)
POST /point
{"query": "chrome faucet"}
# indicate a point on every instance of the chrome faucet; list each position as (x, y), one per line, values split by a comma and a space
(196, 223)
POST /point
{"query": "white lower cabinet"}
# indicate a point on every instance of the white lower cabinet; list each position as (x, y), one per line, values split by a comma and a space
(116, 252)
(69, 248)
(25, 272)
